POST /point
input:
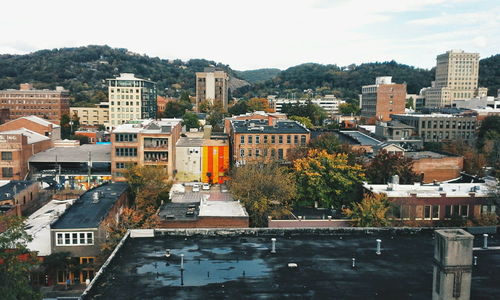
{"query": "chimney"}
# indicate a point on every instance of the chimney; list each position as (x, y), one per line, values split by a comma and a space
(452, 264)
(207, 132)
(395, 179)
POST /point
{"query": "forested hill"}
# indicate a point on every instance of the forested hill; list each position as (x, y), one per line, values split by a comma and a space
(82, 70)
(346, 82)
(258, 75)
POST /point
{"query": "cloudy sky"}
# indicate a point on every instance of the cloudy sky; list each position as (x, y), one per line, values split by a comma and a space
(259, 33)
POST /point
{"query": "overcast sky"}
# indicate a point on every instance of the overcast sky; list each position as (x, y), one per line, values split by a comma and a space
(258, 33)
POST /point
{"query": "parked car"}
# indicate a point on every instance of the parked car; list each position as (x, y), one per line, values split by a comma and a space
(206, 186)
(196, 188)
(223, 188)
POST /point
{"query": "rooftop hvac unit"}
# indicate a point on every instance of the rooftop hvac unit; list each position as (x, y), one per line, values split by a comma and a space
(95, 197)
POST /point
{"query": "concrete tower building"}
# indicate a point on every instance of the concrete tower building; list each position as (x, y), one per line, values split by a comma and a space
(212, 85)
(130, 98)
(457, 74)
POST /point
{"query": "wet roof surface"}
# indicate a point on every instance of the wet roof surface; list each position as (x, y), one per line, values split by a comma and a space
(243, 268)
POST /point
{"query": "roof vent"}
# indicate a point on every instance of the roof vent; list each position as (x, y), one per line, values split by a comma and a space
(7, 195)
(95, 197)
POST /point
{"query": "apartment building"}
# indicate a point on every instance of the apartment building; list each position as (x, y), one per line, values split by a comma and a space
(329, 103)
(144, 142)
(457, 74)
(440, 127)
(382, 99)
(93, 116)
(130, 98)
(27, 101)
(212, 85)
(259, 140)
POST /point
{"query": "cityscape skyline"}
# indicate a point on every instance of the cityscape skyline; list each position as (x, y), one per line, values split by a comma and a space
(269, 35)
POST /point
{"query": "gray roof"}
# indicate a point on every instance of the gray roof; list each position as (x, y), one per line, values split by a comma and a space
(7, 190)
(425, 154)
(32, 136)
(261, 126)
(98, 153)
(84, 213)
(361, 138)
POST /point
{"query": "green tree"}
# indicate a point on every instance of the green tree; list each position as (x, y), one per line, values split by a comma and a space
(384, 165)
(326, 179)
(489, 130)
(303, 120)
(16, 260)
(150, 185)
(264, 189)
(371, 211)
(175, 109)
(328, 142)
(215, 117)
(349, 108)
(239, 108)
(190, 120)
(65, 126)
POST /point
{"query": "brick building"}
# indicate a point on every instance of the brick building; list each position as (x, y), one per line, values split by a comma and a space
(144, 142)
(260, 140)
(436, 166)
(19, 195)
(35, 124)
(382, 99)
(441, 202)
(271, 118)
(16, 147)
(28, 101)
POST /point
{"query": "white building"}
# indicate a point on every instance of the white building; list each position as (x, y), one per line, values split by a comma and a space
(130, 98)
(329, 103)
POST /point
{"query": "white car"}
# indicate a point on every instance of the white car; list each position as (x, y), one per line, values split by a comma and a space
(196, 188)
(206, 186)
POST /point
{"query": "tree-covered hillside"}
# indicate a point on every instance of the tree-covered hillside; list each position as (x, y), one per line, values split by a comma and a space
(83, 70)
(489, 74)
(258, 75)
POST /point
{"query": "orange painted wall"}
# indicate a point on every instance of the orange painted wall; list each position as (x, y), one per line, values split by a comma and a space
(215, 160)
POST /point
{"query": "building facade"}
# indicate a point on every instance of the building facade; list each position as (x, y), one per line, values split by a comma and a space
(329, 103)
(144, 142)
(382, 99)
(92, 116)
(35, 124)
(27, 101)
(457, 74)
(212, 85)
(130, 98)
(433, 166)
(258, 140)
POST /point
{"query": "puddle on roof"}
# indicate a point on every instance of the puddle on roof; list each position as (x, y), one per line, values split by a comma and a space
(199, 271)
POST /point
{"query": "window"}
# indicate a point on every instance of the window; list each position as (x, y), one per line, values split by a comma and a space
(405, 212)
(120, 165)
(448, 211)
(427, 212)
(273, 153)
(242, 152)
(273, 139)
(280, 139)
(288, 139)
(257, 139)
(280, 153)
(257, 152)
(295, 139)
(126, 137)
(7, 172)
(249, 152)
(74, 238)
(265, 139)
(242, 139)
(6, 155)
(464, 210)
(126, 152)
(250, 139)
(435, 212)
(302, 140)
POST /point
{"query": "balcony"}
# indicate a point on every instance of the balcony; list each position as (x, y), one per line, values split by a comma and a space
(156, 157)
(156, 143)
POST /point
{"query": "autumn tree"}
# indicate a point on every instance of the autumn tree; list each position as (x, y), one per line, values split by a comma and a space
(204, 106)
(303, 120)
(215, 116)
(371, 211)
(258, 104)
(16, 261)
(264, 189)
(326, 179)
(150, 185)
(384, 165)
(474, 160)
(331, 144)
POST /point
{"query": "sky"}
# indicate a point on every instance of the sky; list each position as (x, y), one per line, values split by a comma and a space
(258, 33)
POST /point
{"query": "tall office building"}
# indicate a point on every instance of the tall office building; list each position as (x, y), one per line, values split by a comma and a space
(212, 86)
(382, 99)
(27, 101)
(130, 98)
(457, 74)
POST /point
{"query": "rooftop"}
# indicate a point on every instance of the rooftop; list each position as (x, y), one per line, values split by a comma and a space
(239, 265)
(222, 208)
(361, 138)
(98, 153)
(147, 126)
(8, 188)
(37, 120)
(87, 213)
(432, 115)
(261, 126)
(32, 136)
(425, 154)
(431, 190)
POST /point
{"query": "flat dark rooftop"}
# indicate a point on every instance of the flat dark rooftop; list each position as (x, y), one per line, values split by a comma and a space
(242, 267)
(261, 126)
(8, 190)
(86, 214)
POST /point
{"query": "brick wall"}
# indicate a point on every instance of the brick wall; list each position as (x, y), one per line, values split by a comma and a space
(387, 93)
(208, 222)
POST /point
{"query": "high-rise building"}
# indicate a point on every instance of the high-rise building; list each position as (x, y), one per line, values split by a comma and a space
(212, 86)
(130, 98)
(27, 101)
(382, 99)
(457, 74)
